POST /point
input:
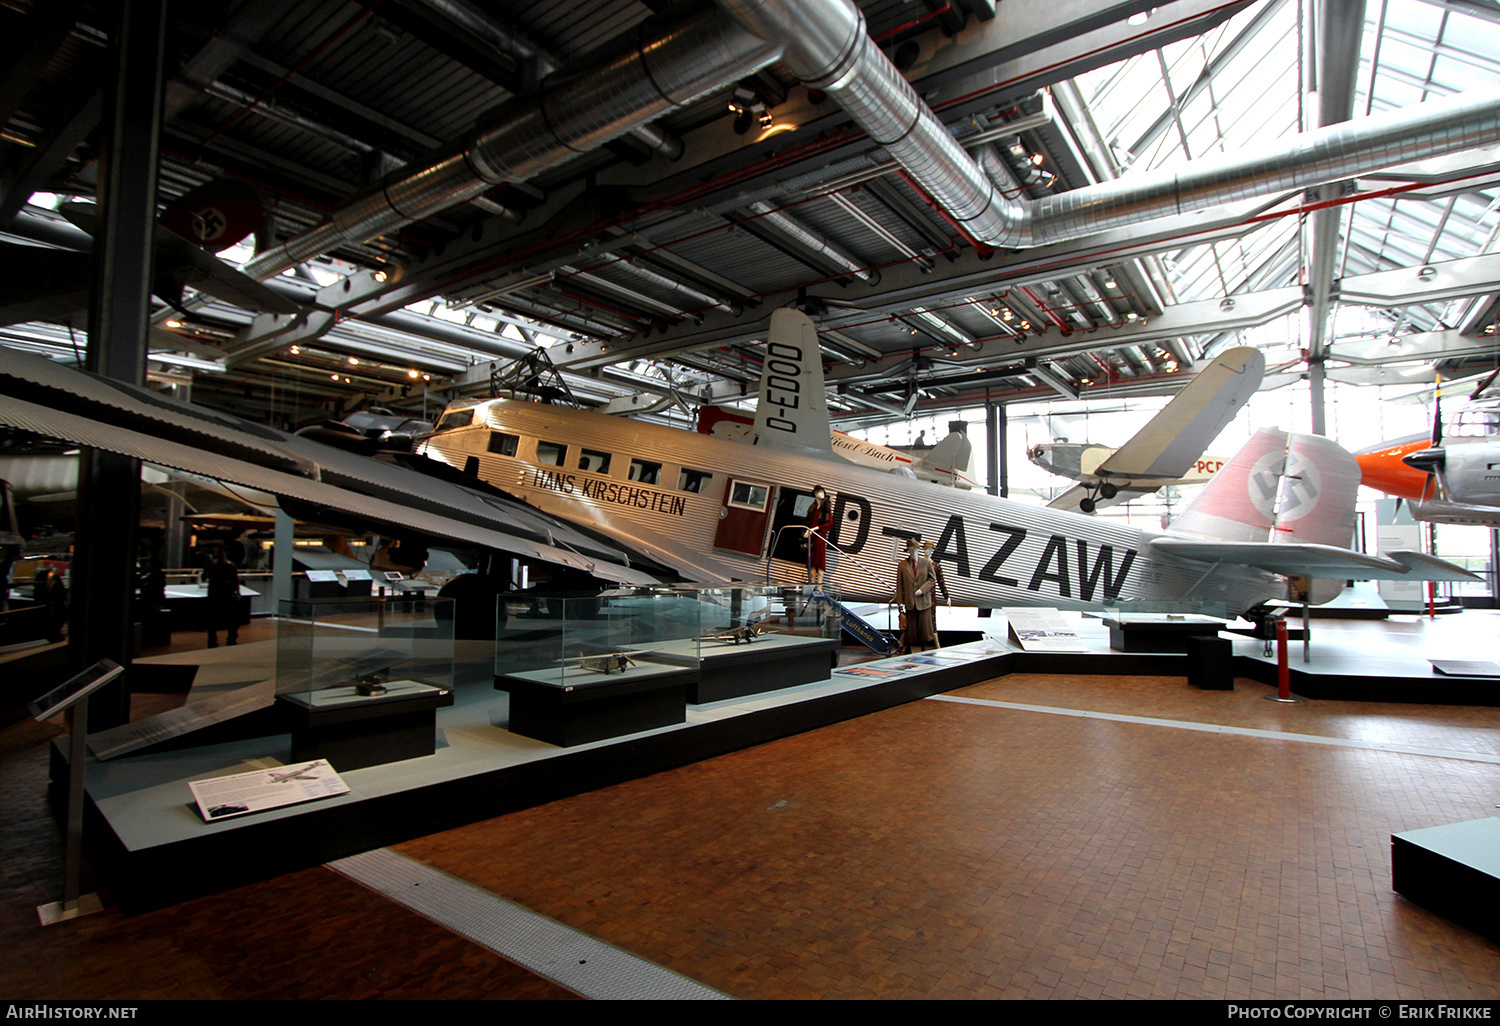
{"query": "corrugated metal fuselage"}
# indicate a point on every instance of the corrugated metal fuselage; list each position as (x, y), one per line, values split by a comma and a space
(994, 552)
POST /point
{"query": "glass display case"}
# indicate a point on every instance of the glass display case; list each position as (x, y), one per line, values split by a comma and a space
(360, 680)
(337, 650)
(571, 639)
(586, 668)
(733, 614)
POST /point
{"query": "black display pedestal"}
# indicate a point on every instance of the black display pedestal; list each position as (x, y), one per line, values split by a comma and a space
(1210, 663)
(365, 731)
(1156, 635)
(577, 710)
(1452, 870)
(770, 663)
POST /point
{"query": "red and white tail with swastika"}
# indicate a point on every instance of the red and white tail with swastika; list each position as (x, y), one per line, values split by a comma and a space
(1281, 487)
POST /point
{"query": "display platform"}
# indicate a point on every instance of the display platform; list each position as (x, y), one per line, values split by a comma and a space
(727, 669)
(353, 730)
(154, 849)
(1453, 870)
(1158, 634)
(573, 708)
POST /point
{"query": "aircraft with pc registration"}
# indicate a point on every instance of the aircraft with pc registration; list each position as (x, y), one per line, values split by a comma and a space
(715, 510)
(1169, 449)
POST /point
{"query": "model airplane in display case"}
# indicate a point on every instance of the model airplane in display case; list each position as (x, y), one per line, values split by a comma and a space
(613, 662)
(737, 634)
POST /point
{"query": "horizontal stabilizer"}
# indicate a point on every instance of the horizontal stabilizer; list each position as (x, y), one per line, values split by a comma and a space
(1306, 559)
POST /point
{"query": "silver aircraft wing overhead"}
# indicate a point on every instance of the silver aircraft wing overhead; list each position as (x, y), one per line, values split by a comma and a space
(1307, 559)
(51, 399)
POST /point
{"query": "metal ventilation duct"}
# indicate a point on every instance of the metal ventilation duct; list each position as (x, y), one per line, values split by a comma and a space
(828, 48)
(824, 42)
(578, 108)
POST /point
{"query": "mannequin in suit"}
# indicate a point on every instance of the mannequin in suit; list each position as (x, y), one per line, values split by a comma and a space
(915, 583)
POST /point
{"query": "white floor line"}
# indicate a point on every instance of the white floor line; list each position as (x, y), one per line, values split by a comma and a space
(583, 964)
(1216, 728)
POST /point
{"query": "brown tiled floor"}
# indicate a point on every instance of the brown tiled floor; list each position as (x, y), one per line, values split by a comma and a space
(947, 850)
(933, 850)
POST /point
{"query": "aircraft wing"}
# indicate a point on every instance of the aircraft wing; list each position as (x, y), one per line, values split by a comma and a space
(1070, 499)
(1307, 559)
(1173, 440)
(51, 399)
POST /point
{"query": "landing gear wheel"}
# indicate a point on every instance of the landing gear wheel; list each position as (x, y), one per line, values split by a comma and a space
(1086, 505)
(1108, 491)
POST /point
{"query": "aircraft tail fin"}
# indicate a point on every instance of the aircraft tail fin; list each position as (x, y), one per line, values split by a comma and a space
(792, 411)
(1281, 487)
(949, 459)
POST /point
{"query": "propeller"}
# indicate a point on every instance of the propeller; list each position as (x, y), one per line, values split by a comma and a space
(1433, 459)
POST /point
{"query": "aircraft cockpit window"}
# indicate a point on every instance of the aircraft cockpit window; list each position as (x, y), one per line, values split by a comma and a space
(594, 461)
(645, 472)
(455, 419)
(1479, 423)
(691, 480)
(551, 454)
(502, 444)
(748, 495)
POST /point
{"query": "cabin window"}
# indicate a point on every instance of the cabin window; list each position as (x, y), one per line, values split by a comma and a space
(455, 419)
(645, 472)
(691, 480)
(748, 495)
(502, 444)
(594, 461)
(551, 454)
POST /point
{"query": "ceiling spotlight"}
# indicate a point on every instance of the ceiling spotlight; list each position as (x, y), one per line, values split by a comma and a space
(1132, 316)
(1025, 325)
(354, 361)
(379, 276)
(1110, 284)
(412, 374)
(1037, 159)
(295, 350)
(335, 377)
(1005, 314)
(741, 99)
(174, 324)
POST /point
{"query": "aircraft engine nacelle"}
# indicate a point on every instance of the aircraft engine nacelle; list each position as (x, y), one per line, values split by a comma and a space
(1315, 591)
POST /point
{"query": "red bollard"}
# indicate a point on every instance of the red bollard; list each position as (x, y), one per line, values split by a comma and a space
(1283, 671)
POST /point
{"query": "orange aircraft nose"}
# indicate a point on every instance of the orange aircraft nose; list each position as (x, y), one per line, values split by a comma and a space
(1383, 470)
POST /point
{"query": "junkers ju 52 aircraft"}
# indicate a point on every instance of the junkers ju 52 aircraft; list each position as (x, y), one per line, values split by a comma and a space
(1284, 506)
(635, 503)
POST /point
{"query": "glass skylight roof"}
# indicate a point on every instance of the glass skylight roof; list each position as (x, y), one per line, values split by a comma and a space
(1237, 87)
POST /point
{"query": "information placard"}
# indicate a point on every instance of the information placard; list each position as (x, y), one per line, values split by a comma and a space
(1042, 629)
(241, 793)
